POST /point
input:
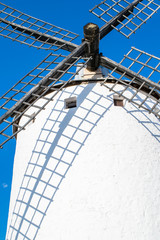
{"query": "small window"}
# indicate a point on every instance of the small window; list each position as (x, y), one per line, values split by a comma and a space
(70, 102)
(118, 100)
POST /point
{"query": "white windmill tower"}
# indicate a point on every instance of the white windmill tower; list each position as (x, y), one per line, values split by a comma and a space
(87, 155)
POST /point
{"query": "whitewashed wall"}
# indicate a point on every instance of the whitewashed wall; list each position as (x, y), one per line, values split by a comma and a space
(87, 173)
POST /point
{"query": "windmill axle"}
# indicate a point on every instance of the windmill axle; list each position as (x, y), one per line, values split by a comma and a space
(91, 35)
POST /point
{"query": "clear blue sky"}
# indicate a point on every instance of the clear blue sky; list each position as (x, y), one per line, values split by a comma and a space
(16, 60)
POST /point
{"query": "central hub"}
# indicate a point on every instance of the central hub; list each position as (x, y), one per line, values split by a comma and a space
(91, 35)
(91, 31)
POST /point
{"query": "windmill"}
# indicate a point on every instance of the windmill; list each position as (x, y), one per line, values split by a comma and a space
(58, 72)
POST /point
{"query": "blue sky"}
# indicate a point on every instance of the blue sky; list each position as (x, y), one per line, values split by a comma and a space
(17, 59)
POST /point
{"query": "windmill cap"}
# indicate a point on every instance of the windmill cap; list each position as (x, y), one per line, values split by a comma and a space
(91, 29)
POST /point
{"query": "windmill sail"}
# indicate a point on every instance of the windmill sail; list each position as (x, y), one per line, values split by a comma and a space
(125, 16)
(34, 86)
(142, 73)
(25, 29)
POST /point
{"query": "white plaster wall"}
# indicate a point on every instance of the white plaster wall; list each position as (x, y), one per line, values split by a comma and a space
(91, 172)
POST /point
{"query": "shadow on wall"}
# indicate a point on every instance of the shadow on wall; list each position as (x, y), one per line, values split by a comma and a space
(60, 140)
(152, 125)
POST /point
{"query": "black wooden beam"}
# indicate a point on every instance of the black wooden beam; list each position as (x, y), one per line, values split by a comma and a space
(119, 17)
